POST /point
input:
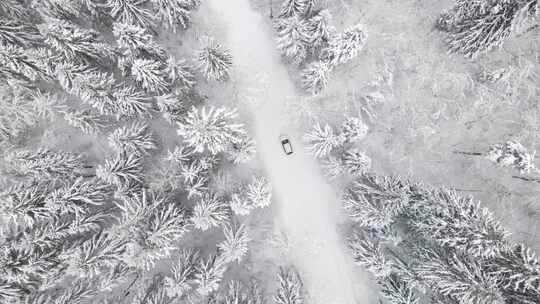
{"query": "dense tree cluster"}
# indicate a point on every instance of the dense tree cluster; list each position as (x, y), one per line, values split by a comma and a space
(423, 242)
(305, 35)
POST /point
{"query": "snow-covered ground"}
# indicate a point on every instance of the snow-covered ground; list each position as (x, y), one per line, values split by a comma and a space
(308, 208)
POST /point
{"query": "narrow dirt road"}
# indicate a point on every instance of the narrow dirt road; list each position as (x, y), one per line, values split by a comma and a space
(308, 207)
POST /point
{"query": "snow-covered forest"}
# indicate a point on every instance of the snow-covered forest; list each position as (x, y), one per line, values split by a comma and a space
(142, 153)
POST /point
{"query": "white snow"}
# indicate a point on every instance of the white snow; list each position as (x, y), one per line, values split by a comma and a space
(308, 208)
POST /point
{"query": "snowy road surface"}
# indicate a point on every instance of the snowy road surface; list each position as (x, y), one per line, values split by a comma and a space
(308, 207)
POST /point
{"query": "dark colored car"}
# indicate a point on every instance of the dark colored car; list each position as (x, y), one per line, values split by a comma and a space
(286, 144)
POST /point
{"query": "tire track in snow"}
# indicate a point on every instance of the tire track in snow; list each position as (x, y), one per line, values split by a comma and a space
(308, 208)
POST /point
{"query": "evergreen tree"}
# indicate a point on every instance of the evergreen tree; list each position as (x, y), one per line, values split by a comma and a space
(209, 274)
(23, 204)
(209, 212)
(345, 46)
(134, 138)
(17, 115)
(135, 41)
(130, 12)
(75, 43)
(290, 289)
(322, 140)
(60, 9)
(292, 38)
(353, 129)
(174, 14)
(44, 163)
(315, 77)
(213, 60)
(369, 254)
(210, 129)
(153, 75)
(259, 192)
(13, 9)
(77, 197)
(397, 291)
(182, 274)
(319, 29)
(84, 120)
(16, 63)
(475, 27)
(122, 170)
(242, 151)
(130, 101)
(356, 162)
(235, 245)
(518, 269)
(291, 8)
(19, 33)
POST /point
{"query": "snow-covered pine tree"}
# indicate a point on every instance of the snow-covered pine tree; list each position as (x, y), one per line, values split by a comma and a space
(368, 253)
(9, 292)
(398, 291)
(291, 8)
(17, 64)
(259, 192)
(44, 163)
(130, 101)
(23, 204)
(240, 205)
(290, 289)
(209, 212)
(475, 27)
(181, 74)
(242, 151)
(356, 162)
(512, 154)
(315, 77)
(91, 86)
(375, 202)
(210, 129)
(213, 60)
(292, 38)
(180, 282)
(19, 33)
(344, 47)
(77, 197)
(130, 12)
(332, 166)
(319, 30)
(133, 138)
(353, 129)
(13, 9)
(85, 120)
(175, 13)
(47, 105)
(75, 43)
(209, 274)
(322, 140)
(60, 9)
(135, 41)
(152, 75)
(459, 277)
(235, 245)
(122, 170)
(17, 115)
(94, 256)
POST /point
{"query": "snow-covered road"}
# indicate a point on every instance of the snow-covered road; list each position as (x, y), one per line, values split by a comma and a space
(308, 207)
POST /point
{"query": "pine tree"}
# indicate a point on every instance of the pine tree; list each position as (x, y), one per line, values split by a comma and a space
(512, 154)
(356, 162)
(210, 129)
(60, 9)
(213, 60)
(130, 12)
(259, 192)
(235, 245)
(319, 29)
(369, 254)
(10, 293)
(345, 46)
(44, 163)
(16, 63)
(93, 87)
(23, 204)
(353, 129)
(182, 274)
(479, 26)
(75, 43)
(240, 204)
(133, 138)
(152, 75)
(47, 105)
(174, 14)
(292, 38)
(242, 151)
(122, 170)
(209, 274)
(13, 9)
(332, 166)
(291, 8)
(397, 291)
(290, 290)
(209, 212)
(84, 120)
(135, 41)
(130, 101)
(518, 269)
(322, 140)
(17, 115)
(19, 33)
(315, 77)
(459, 277)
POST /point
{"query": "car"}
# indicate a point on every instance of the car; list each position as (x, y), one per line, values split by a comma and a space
(286, 144)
